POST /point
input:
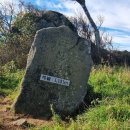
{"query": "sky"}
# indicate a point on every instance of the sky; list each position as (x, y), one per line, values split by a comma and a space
(116, 15)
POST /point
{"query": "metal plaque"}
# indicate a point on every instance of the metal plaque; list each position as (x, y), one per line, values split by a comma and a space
(55, 80)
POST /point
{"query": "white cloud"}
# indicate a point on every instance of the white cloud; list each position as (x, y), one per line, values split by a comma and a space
(73, 7)
(116, 14)
(3, 1)
(8, 1)
(5, 6)
(50, 5)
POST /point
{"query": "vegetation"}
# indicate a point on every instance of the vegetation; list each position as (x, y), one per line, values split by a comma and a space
(10, 79)
(17, 36)
(91, 21)
(112, 111)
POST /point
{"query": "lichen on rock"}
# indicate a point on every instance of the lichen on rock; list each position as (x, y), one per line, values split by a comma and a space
(55, 52)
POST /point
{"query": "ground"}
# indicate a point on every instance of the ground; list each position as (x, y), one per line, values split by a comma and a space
(110, 112)
(9, 120)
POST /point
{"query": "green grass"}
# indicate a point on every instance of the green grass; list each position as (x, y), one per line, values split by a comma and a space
(112, 112)
(10, 79)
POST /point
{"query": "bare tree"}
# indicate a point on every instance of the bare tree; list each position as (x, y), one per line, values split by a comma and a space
(106, 41)
(21, 6)
(85, 30)
(83, 27)
(7, 12)
(96, 31)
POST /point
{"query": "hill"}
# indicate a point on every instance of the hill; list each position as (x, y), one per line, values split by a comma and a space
(108, 107)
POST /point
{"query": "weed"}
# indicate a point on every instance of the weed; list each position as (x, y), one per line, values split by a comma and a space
(110, 112)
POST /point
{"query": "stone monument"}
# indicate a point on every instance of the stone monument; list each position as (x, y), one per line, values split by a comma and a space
(58, 67)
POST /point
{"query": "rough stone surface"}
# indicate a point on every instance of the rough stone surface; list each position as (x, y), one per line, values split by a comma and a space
(53, 19)
(61, 53)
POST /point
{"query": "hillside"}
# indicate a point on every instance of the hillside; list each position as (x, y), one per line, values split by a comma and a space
(108, 105)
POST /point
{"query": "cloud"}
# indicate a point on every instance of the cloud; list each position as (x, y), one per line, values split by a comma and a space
(4, 1)
(8, 1)
(5, 6)
(116, 14)
(51, 4)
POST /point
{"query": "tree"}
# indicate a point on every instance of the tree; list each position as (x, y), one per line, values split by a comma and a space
(96, 31)
(85, 30)
(17, 28)
(7, 12)
(82, 26)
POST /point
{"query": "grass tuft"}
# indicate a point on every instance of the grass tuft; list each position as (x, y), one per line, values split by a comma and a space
(111, 112)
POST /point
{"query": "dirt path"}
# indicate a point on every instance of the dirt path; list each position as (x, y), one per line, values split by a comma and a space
(10, 121)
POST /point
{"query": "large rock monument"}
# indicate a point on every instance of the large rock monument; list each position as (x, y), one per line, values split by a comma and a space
(57, 71)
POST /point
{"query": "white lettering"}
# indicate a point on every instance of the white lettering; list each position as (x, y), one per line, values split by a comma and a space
(55, 80)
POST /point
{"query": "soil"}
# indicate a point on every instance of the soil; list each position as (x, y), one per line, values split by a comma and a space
(8, 118)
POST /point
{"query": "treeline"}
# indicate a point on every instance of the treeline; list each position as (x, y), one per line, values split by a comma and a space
(19, 23)
(17, 30)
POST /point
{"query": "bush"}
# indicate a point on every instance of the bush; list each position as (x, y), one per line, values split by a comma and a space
(10, 78)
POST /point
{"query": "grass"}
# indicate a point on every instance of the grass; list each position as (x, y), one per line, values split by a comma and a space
(112, 112)
(10, 79)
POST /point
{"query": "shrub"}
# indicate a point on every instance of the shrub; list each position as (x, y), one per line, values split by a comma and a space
(10, 78)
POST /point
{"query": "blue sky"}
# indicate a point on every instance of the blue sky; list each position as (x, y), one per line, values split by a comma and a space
(116, 15)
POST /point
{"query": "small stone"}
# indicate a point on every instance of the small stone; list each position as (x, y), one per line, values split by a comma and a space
(20, 122)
